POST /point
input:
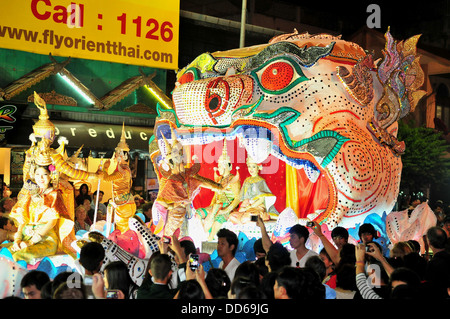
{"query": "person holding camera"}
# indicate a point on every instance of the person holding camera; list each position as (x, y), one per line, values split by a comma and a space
(194, 287)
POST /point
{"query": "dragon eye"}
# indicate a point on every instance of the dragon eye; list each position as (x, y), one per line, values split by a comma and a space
(277, 76)
(188, 76)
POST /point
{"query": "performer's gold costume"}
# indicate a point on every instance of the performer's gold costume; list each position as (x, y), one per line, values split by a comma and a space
(225, 201)
(37, 207)
(32, 213)
(122, 203)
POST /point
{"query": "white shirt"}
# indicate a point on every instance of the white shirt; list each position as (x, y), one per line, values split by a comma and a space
(303, 260)
(231, 267)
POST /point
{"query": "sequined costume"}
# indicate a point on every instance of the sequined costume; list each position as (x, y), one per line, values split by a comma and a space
(122, 203)
(33, 212)
(179, 185)
(40, 153)
(223, 202)
(256, 199)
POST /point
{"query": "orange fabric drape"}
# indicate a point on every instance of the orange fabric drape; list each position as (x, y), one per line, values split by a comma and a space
(303, 196)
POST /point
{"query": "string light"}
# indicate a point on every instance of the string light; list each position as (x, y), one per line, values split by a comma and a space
(76, 88)
(159, 95)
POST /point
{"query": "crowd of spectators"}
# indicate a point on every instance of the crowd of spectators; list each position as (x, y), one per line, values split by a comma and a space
(340, 270)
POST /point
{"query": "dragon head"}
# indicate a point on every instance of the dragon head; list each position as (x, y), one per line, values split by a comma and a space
(316, 105)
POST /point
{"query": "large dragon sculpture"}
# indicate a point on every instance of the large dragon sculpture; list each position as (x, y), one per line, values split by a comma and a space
(317, 111)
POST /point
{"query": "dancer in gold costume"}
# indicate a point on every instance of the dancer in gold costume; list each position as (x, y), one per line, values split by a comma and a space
(45, 226)
(45, 213)
(42, 138)
(223, 202)
(122, 206)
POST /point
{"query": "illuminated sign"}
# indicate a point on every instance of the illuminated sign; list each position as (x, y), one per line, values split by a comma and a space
(6, 112)
(131, 32)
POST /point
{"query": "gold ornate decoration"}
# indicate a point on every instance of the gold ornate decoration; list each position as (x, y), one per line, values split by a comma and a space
(55, 98)
(43, 127)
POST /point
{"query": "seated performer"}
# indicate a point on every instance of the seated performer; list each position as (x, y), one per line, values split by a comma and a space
(224, 201)
(44, 225)
(255, 197)
(65, 171)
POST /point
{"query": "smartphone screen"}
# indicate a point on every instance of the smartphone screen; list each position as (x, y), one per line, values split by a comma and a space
(193, 261)
(112, 294)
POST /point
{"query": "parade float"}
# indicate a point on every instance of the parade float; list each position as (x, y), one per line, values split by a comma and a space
(300, 129)
(316, 114)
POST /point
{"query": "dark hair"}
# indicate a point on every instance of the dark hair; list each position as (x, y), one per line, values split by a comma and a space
(345, 277)
(339, 232)
(258, 246)
(404, 292)
(278, 256)
(367, 228)
(437, 237)
(146, 206)
(189, 247)
(251, 292)
(347, 255)
(34, 277)
(406, 275)
(190, 289)
(160, 265)
(317, 264)
(415, 245)
(91, 256)
(301, 283)
(238, 284)
(102, 192)
(63, 291)
(267, 283)
(84, 186)
(300, 231)
(46, 291)
(4, 221)
(59, 279)
(416, 263)
(118, 277)
(248, 270)
(324, 252)
(262, 267)
(218, 283)
(230, 237)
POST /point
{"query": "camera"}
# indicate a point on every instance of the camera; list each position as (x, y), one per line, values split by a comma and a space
(193, 262)
(166, 240)
(112, 294)
(254, 218)
(310, 224)
(369, 249)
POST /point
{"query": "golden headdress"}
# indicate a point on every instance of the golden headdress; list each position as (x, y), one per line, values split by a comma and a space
(122, 146)
(224, 157)
(42, 157)
(43, 127)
